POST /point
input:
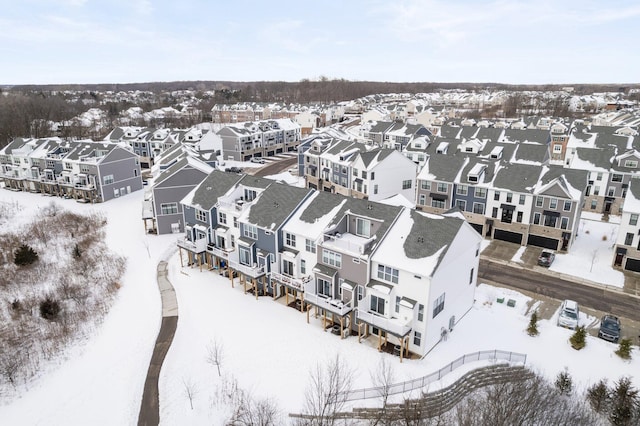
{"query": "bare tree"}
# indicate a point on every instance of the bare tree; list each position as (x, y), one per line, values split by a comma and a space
(327, 392)
(215, 354)
(190, 390)
(382, 378)
(251, 412)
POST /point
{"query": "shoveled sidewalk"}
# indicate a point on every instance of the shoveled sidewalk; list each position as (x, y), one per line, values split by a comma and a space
(150, 406)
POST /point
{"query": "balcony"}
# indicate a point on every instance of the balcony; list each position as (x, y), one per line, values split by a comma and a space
(346, 242)
(233, 205)
(197, 246)
(295, 283)
(395, 326)
(251, 271)
(335, 306)
(221, 253)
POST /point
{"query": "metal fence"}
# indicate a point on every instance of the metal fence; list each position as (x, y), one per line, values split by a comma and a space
(421, 382)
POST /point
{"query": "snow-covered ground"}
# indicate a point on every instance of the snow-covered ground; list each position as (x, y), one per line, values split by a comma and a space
(269, 349)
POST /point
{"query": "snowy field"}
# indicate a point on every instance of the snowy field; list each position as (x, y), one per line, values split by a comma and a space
(269, 349)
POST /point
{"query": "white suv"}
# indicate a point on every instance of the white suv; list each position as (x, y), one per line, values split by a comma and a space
(569, 314)
(258, 160)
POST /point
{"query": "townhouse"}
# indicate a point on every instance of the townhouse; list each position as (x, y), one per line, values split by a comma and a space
(243, 141)
(627, 244)
(84, 170)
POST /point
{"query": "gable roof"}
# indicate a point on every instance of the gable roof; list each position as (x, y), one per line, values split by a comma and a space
(215, 185)
(275, 204)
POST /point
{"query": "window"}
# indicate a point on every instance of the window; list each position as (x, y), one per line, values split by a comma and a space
(611, 191)
(496, 196)
(244, 256)
(331, 258)
(439, 204)
(599, 176)
(521, 200)
(417, 338)
(108, 179)
(564, 222)
(375, 188)
(373, 175)
(406, 184)
(539, 201)
(594, 203)
(425, 185)
(235, 222)
(421, 312)
(222, 218)
(494, 213)
(250, 231)
(567, 206)
(478, 208)
(553, 203)
(169, 208)
(442, 187)
(287, 267)
(557, 148)
(616, 178)
(397, 304)
(363, 227)
(289, 239)
(360, 291)
(536, 218)
(249, 194)
(422, 200)
(480, 192)
(201, 215)
(628, 239)
(303, 266)
(388, 273)
(509, 197)
(364, 174)
(471, 275)
(596, 190)
(633, 220)
(377, 304)
(323, 287)
(461, 204)
(310, 245)
(631, 164)
(461, 190)
(519, 217)
(438, 305)
(355, 172)
(550, 221)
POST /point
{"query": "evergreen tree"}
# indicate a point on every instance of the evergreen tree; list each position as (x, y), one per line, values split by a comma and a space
(77, 254)
(624, 350)
(598, 396)
(624, 402)
(532, 329)
(25, 255)
(579, 338)
(564, 382)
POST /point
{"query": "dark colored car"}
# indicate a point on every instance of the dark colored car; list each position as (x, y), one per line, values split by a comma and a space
(546, 258)
(233, 170)
(609, 328)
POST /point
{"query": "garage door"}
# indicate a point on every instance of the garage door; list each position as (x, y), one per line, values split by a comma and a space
(477, 227)
(512, 237)
(632, 265)
(544, 242)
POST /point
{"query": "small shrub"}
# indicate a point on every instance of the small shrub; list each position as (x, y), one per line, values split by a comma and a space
(604, 238)
(624, 349)
(77, 254)
(532, 329)
(16, 305)
(598, 396)
(49, 309)
(624, 403)
(564, 382)
(25, 255)
(579, 339)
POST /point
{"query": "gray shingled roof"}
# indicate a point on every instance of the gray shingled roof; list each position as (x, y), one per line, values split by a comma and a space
(445, 167)
(598, 157)
(604, 140)
(532, 152)
(379, 154)
(215, 185)
(428, 235)
(530, 135)
(634, 187)
(276, 204)
(449, 131)
(517, 177)
(576, 178)
(255, 181)
(321, 205)
(488, 133)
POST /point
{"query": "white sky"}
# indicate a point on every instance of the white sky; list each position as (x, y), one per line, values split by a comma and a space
(123, 41)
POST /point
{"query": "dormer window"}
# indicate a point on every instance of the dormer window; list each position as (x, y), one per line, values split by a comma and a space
(496, 153)
(632, 164)
(476, 173)
(442, 148)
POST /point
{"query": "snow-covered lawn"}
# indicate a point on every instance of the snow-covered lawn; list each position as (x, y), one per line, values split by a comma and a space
(268, 348)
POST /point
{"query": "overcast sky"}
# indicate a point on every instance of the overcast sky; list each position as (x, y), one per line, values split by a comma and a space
(125, 41)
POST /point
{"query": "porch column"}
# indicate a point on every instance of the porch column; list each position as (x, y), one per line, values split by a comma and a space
(302, 302)
(180, 251)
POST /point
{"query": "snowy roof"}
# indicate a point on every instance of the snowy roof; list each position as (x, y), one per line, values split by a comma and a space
(205, 195)
(275, 204)
(315, 214)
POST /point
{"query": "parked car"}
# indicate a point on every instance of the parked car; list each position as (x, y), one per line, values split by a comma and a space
(569, 314)
(233, 169)
(258, 160)
(609, 328)
(546, 258)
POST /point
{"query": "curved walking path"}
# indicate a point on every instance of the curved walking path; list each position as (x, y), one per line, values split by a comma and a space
(150, 406)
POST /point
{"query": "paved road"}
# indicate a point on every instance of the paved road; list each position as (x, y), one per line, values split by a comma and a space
(150, 405)
(276, 167)
(598, 298)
